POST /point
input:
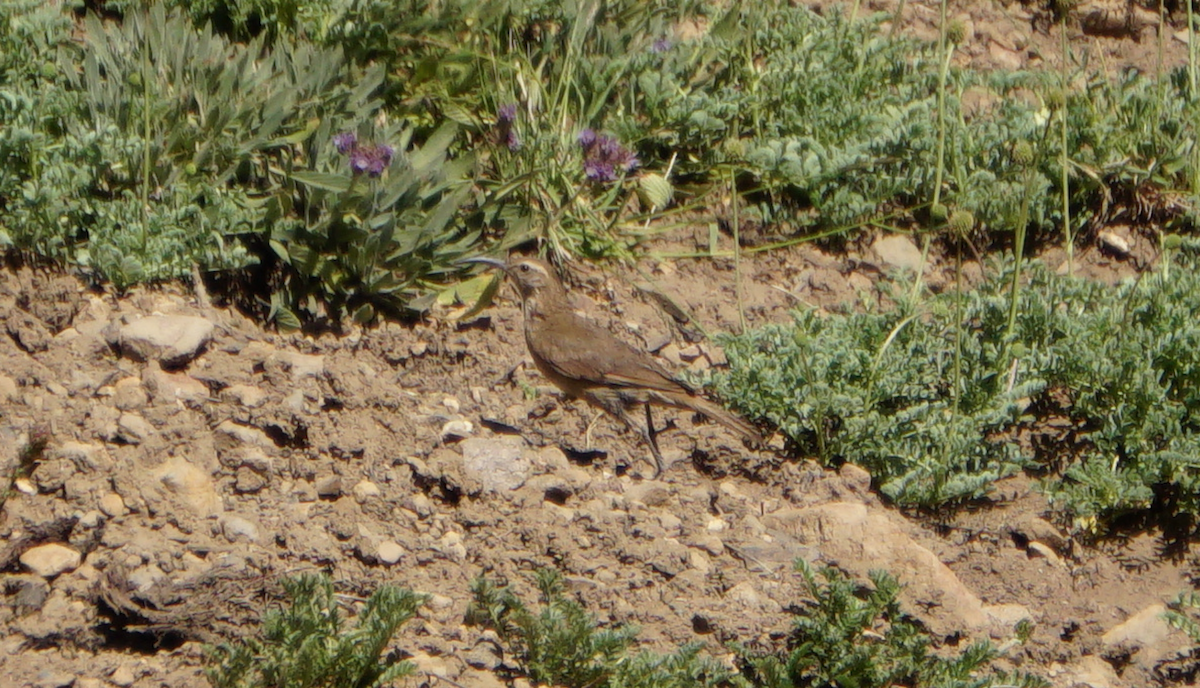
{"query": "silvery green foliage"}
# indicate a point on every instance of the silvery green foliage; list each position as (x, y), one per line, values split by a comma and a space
(142, 151)
(308, 644)
(879, 388)
(837, 119)
(562, 644)
(847, 636)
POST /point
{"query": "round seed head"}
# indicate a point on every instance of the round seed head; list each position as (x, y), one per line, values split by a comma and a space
(962, 221)
(1022, 152)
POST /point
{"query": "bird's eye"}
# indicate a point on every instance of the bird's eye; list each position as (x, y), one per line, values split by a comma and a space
(524, 267)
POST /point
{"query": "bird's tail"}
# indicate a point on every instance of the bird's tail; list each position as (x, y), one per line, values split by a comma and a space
(721, 415)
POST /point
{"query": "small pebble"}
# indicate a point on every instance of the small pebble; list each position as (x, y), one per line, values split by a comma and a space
(389, 552)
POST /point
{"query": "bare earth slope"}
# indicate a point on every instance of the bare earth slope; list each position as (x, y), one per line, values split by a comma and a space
(166, 504)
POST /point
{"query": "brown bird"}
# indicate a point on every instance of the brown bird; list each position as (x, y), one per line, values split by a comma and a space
(587, 361)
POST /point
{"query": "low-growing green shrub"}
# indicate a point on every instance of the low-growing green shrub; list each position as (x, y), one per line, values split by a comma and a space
(157, 146)
(563, 645)
(934, 422)
(142, 152)
(843, 636)
(829, 116)
(308, 645)
(848, 637)
(370, 227)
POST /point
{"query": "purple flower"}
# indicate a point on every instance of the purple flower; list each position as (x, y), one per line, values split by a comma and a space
(604, 158)
(662, 45)
(373, 161)
(383, 158)
(506, 118)
(360, 159)
(599, 171)
(345, 141)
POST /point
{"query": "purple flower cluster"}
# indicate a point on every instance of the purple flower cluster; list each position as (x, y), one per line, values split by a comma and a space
(506, 118)
(372, 160)
(345, 141)
(604, 158)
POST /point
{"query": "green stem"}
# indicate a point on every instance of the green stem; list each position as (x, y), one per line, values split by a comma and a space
(1068, 237)
(946, 53)
(145, 69)
(737, 251)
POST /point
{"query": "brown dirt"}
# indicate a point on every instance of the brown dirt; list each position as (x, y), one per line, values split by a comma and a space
(271, 455)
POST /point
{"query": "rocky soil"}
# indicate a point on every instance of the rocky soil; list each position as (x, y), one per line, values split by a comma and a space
(191, 459)
(185, 459)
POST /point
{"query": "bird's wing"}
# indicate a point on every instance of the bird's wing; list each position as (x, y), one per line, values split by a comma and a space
(583, 350)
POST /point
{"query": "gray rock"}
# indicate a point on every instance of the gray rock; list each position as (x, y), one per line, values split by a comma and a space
(231, 435)
(1148, 635)
(28, 592)
(146, 576)
(248, 480)
(457, 429)
(171, 387)
(451, 546)
(8, 389)
(364, 490)
(246, 395)
(122, 676)
(129, 395)
(497, 463)
(172, 340)
(860, 539)
(190, 486)
(134, 429)
(649, 492)
(485, 655)
(51, 559)
(86, 457)
(329, 486)
(898, 251)
(236, 528)
(113, 505)
(389, 552)
(50, 476)
(301, 365)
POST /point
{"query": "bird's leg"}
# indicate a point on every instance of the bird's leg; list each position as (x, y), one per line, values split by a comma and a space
(652, 440)
(618, 406)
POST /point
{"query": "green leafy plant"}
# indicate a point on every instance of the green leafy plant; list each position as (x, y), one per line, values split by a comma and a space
(563, 645)
(307, 644)
(1181, 614)
(861, 638)
(358, 242)
(556, 171)
(830, 124)
(928, 395)
(871, 389)
(145, 155)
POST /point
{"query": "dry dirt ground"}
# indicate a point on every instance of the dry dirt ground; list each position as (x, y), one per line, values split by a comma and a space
(167, 504)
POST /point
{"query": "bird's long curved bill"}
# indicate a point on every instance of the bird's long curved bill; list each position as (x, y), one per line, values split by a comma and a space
(484, 261)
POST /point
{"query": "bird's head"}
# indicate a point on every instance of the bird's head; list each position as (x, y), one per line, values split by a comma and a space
(535, 279)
